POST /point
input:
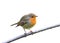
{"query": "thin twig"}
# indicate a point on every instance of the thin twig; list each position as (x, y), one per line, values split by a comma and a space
(22, 36)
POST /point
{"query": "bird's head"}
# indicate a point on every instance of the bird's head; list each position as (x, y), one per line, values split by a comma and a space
(32, 18)
(31, 15)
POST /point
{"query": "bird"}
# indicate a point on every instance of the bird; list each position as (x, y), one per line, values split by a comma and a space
(27, 21)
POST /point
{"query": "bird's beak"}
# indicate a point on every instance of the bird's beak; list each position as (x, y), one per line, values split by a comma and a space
(36, 16)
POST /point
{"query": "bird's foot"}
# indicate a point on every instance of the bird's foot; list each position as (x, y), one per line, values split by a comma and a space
(31, 32)
(25, 34)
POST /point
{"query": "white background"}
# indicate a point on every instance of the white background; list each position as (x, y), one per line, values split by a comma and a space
(48, 12)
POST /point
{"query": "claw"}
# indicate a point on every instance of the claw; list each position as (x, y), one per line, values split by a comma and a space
(25, 34)
(31, 32)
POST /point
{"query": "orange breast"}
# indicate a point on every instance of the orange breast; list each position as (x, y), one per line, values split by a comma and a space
(33, 20)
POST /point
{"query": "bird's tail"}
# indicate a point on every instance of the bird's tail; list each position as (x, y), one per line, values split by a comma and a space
(13, 24)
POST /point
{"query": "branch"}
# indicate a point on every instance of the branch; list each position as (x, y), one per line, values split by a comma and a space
(22, 36)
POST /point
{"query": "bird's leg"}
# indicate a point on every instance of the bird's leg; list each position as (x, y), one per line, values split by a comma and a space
(25, 32)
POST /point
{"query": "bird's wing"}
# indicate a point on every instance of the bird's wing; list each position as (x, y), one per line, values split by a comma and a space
(23, 20)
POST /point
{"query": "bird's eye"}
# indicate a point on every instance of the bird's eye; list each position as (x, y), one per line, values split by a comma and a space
(32, 16)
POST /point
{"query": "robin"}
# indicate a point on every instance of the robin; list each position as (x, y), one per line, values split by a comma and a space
(27, 21)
